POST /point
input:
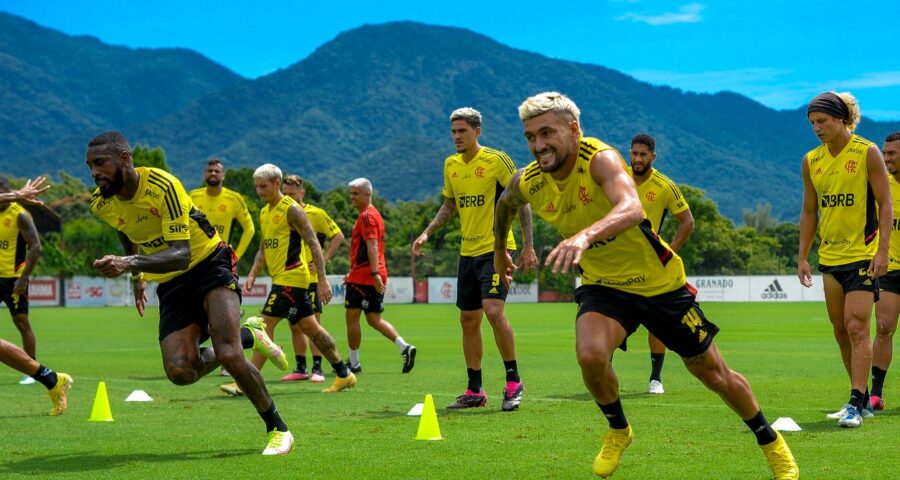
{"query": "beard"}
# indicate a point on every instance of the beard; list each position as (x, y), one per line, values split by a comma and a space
(639, 171)
(559, 159)
(213, 182)
(114, 185)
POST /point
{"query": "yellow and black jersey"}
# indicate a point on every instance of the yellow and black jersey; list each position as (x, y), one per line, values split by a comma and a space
(659, 196)
(282, 246)
(324, 227)
(894, 263)
(222, 211)
(848, 219)
(160, 211)
(475, 187)
(635, 261)
(12, 244)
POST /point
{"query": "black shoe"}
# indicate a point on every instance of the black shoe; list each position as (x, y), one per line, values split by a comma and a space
(356, 369)
(469, 399)
(409, 358)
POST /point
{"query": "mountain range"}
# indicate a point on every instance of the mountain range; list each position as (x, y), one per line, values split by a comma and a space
(375, 102)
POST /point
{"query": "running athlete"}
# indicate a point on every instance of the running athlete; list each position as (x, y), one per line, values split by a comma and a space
(845, 182)
(473, 180)
(167, 240)
(658, 196)
(630, 277)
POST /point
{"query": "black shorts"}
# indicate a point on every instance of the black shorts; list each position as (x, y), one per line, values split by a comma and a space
(853, 277)
(181, 298)
(890, 282)
(674, 317)
(291, 303)
(364, 297)
(17, 304)
(476, 281)
(313, 292)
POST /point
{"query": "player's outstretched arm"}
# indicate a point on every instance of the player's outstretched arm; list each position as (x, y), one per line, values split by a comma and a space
(300, 223)
(443, 215)
(510, 203)
(809, 219)
(28, 193)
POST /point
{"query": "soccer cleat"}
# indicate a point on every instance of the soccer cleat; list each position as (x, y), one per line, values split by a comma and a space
(295, 377)
(342, 383)
(780, 459)
(852, 419)
(356, 369)
(876, 402)
(59, 394)
(615, 441)
(839, 414)
(231, 389)
(656, 387)
(263, 344)
(867, 412)
(280, 443)
(512, 396)
(26, 380)
(409, 358)
(223, 372)
(317, 377)
(469, 399)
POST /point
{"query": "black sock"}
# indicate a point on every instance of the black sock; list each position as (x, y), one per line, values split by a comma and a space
(246, 338)
(512, 371)
(878, 380)
(46, 376)
(857, 399)
(301, 363)
(656, 364)
(474, 379)
(761, 428)
(317, 363)
(273, 419)
(614, 414)
(340, 369)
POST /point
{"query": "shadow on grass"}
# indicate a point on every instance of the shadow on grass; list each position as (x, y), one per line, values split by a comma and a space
(575, 396)
(827, 425)
(149, 378)
(87, 462)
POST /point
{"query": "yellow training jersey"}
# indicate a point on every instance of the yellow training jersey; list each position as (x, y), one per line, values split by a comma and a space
(282, 246)
(894, 255)
(324, 227)
(160, 211)
(12, 244)
(659, 196)
(475, 188)
(222, 210)
(635, 261)
(848, 221)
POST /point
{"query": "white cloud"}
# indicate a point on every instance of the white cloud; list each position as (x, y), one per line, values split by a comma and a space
(689, 13)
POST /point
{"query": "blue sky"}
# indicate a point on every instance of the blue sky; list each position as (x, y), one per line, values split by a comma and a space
(780, 53)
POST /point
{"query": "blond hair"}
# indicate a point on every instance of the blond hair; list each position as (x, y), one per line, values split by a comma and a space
(853, 108)
(548, 102)
(468, 115)
(267, 171)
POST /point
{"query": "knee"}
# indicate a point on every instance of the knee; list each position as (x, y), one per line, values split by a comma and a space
(886, 329)
(21, 323)
(181, 373)
(373, 320)
(495, 316)
(470, 323)
(592, 358)
(857, 330)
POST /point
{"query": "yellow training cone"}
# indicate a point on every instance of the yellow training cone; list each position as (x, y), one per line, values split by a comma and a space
(101, 412)
(428, 422)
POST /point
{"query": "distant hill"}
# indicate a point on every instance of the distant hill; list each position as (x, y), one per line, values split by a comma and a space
(375, 102)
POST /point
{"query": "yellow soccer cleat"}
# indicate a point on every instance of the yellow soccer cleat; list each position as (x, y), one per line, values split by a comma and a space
(59, 394)
(781, 460)
(280, 443)
(614, 444)
(342, 383)
(231, 389)
(263, 344)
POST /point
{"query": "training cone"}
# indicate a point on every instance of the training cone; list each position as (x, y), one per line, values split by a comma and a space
(101, 412)
(428, 422)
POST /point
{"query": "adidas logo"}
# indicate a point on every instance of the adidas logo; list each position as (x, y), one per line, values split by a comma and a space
(493, 290)
(774, 292)
(550, 207)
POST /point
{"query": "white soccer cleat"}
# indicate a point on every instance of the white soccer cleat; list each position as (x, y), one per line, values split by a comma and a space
(280, 443)
(26, 380)
(656, 387)
(839, 414)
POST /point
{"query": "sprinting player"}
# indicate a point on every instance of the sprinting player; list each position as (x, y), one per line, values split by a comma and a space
(167, 240)
(658, 196)
(630, 277)
(285, 232)
(888, 307)
(845, 182)
(18, 235)
(474, 177)
(325, 229)
(367, 280)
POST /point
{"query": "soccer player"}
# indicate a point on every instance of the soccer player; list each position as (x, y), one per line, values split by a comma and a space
(845, 182)
(325, 229)
(629, 275)
(167, 240)
(286, 231)
(888, 307)
(17, 231)
(474, 177)
(367, 280)
(658, 196)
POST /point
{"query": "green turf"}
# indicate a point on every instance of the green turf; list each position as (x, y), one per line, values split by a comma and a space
(785, 350)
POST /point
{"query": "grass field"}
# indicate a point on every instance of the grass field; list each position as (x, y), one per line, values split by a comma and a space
(785, 350)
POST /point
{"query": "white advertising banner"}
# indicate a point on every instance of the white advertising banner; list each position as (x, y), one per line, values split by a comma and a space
(85, 292)
(399, 290)
(119, 292)
(721, 288)
(769, 288)
(44, 292)
(776, 288)
(443, 290)
(523, 292)
(258, 293)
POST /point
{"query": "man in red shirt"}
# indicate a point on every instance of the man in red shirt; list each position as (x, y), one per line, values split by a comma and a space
(365, 284)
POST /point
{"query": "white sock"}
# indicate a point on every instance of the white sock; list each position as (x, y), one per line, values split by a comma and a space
(354, 357)
(400, 343)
